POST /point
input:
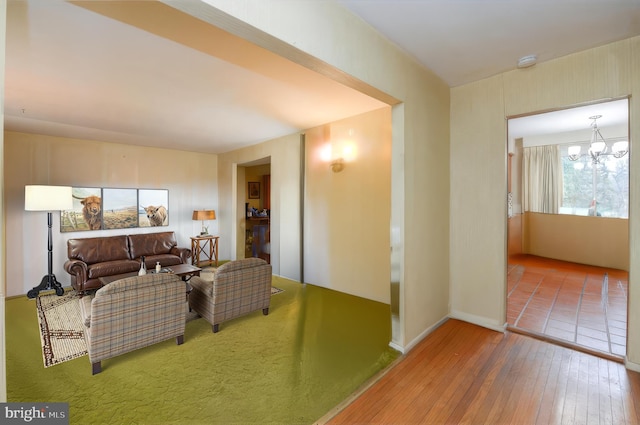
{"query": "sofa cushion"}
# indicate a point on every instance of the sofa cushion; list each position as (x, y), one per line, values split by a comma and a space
(95, 250)
(164, 259)
(112, 268)
(148, 244)
(136, 282)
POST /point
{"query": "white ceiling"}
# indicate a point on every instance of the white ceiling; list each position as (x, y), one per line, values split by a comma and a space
(577, 119)
(103, 71)
(468, 40)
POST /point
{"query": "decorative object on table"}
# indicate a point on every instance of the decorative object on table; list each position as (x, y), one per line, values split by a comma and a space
(143, 267)
(203, 215)
(164, 270)
(254, 190)
(158, 267)
(47, 198)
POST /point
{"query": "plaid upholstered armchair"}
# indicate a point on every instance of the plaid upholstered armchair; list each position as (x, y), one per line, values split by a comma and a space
(132, 313)
(238, 288)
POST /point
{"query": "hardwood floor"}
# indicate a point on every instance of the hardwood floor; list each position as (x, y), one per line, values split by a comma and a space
(462, 373)
(581, 306)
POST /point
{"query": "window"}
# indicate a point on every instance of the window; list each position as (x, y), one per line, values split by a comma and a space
(607, 182)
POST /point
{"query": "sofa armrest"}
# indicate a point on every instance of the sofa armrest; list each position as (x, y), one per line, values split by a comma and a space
(183, 253)
(78, 269)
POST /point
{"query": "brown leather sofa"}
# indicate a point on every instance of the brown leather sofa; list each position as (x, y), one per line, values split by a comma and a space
(93, 258)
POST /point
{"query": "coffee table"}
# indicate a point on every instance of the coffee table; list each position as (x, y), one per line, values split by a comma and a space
(185, 271)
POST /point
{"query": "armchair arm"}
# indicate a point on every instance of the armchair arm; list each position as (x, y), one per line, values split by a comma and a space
(183, 253)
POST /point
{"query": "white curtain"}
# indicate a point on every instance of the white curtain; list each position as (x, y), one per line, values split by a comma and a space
(542, 179)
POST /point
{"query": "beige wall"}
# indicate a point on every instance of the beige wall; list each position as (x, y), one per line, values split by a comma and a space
(364, 60)
(39, 159)
(347, 213)
(597, 241)
(284, 155)
(478, 169)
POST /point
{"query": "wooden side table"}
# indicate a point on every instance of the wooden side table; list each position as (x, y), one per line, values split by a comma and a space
(199, 245)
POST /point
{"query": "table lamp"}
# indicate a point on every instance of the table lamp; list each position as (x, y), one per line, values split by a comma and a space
(47, 198)
(203, 215)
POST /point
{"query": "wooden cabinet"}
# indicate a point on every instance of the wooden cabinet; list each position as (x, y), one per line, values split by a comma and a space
(257, 238)
(257, 234)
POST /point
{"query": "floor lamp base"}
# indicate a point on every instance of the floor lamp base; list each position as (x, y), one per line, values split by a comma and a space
(48, 282)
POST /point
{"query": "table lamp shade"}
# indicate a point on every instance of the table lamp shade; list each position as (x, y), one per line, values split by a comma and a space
(47, 198)
(204, 215)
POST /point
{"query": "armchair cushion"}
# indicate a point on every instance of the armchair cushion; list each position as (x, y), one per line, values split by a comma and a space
(204, 286)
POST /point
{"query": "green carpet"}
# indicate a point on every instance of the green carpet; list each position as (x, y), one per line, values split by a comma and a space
(312, 351)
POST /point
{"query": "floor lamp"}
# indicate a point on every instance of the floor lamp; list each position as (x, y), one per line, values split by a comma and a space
(47, 198)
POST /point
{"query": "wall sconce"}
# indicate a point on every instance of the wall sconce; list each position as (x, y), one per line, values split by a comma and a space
(337, 165)
(203, 215)
(338, 151)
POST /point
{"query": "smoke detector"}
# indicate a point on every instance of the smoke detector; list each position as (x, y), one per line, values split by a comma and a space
(527, 61)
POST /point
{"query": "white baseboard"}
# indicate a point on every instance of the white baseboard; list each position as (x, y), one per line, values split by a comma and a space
(397, 347)
(478, 320)
(419, 338)
(631, 365)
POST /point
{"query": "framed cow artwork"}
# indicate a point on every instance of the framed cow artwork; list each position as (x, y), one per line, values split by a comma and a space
(96, 208)
(153, 207)
(86, 213)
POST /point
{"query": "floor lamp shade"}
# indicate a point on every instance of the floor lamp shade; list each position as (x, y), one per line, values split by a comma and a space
(47, 198)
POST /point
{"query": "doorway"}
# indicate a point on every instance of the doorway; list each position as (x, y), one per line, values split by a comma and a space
(568, 249)
(256, 220)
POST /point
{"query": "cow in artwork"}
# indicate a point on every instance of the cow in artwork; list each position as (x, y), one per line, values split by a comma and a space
(157, 215)
(92, 211)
